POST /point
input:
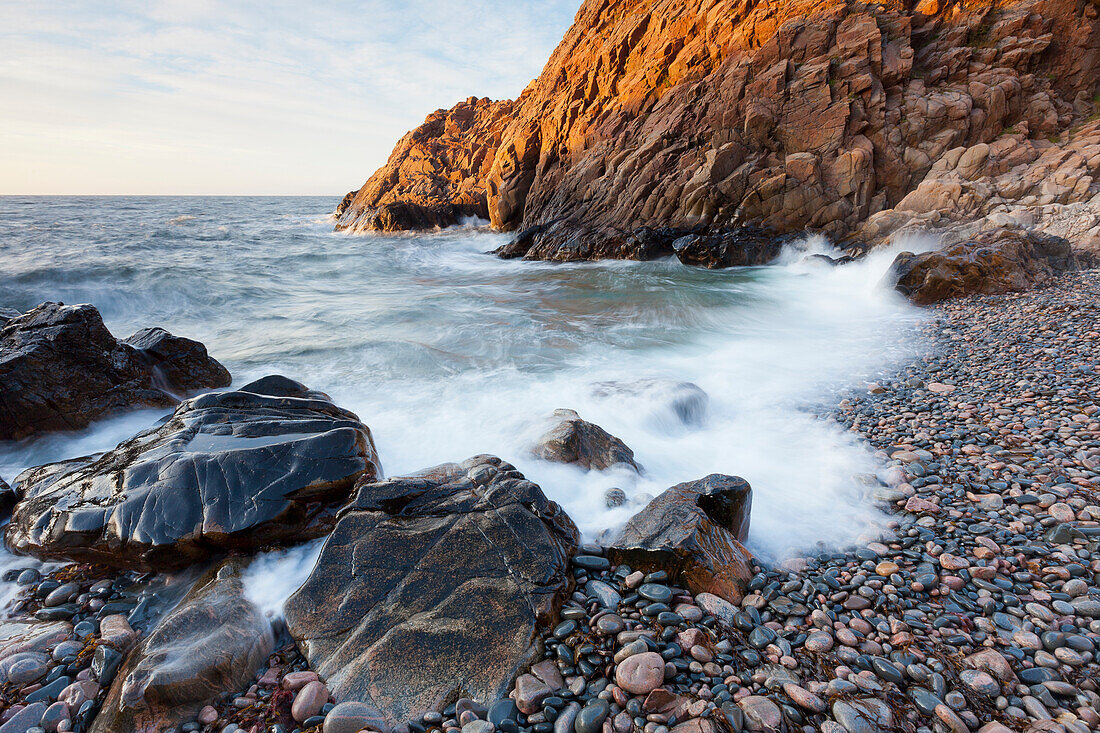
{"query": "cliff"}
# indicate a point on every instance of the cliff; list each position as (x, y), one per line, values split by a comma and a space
(849, 119)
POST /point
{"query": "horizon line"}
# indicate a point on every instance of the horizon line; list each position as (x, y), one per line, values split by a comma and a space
(171, 195)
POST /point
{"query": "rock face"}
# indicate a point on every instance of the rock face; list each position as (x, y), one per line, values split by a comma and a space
(435, 176)
(268, 463)
(213, 641)
(693, 530)
(576, 441)
(796, 114)
(433, 587)
(60, 368)
(999, 261)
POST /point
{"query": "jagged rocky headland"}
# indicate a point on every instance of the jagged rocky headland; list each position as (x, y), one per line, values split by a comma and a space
(462, 598)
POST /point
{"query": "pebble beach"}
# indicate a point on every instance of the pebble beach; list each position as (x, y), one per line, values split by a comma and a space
(979, 609)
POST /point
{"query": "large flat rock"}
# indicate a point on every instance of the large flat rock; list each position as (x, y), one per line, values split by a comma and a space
(266, 464)
(211, 643)
(60, 368)
(434, 587)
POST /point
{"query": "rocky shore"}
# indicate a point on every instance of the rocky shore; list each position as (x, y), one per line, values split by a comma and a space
(979, 609)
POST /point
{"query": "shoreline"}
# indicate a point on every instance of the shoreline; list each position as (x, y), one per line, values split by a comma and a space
(979, 610)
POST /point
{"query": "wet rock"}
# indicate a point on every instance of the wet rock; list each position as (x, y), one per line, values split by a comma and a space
(309, 701)
(352, 717)
(576, 441)
(443, 582)
(742, 246)
(996, 262)
(761, 713)
(24, 667)
(267, 463)
(214, 640)
(60, 368)
(668, 403)
(115, 630)
(25, 719)
(7, 499)
(641, 674)
(693, 530)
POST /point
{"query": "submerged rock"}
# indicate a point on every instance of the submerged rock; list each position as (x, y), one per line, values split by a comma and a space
(694, 531)
(585, 444)
(995, 262)
(666, 401)
(434, 587)
(268, 463)
(60, 368)
(212, 642)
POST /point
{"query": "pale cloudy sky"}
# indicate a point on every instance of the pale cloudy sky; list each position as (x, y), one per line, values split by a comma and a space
(244, 96)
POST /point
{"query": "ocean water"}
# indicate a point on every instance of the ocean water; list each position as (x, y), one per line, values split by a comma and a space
(446, 352)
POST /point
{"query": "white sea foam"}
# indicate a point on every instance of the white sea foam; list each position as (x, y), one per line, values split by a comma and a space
(446, 353)
(273, 576)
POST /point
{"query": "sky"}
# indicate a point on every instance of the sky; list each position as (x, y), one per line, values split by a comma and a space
(273, 97)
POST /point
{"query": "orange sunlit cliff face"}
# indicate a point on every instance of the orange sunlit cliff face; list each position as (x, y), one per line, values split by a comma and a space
(827, 115)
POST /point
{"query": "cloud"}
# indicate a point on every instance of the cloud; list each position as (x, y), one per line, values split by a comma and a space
(211, 96)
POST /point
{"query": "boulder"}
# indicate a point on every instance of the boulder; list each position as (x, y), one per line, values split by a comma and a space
(433, 587)
(213, 642)
(7, 499)
(60, 368)
(576, 441)
(268, 463)
(999, 261)
(565, 241)
(739, 247)
(694, 531)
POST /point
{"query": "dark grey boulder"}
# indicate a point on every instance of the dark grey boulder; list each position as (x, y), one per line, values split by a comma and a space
(434, 587)
(581, 443)
(7, 499)
(269, 463)
(694, 531)
(60, 368)
(738, 247)
(213, 642)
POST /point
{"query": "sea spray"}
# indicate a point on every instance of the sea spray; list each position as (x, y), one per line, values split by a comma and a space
(273, 576)
(447, 352)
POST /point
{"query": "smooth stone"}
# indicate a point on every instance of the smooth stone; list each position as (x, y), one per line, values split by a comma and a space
(591, 717)
(309, 701)
(640, 674)
(351, 717)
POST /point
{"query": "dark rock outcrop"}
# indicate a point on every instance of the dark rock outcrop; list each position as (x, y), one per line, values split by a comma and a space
(434, 587)
(7, 499)
(211, 643)
(792, 115)
(1001, 261)
(344, 203)
(738, 248)
(585, 444)
(268, 463)
(60, 368)
(694, 531)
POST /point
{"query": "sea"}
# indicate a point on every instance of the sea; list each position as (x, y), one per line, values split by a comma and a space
(447, 352)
